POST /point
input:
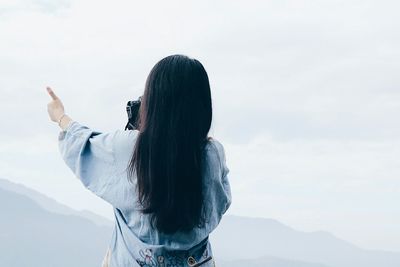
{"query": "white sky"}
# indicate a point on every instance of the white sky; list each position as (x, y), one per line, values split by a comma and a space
(306, 99)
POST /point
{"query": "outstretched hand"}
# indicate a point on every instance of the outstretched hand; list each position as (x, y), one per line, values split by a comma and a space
(55, 108)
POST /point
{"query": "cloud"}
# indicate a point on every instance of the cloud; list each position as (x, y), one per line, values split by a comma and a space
(12, 7)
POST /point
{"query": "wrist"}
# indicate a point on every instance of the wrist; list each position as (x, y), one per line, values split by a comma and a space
(60, 118)
(64, 121)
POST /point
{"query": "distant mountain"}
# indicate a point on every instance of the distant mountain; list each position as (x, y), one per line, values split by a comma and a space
(37, 231)
(51, 204)
(267, 262)
(33, 236)
(242, 237)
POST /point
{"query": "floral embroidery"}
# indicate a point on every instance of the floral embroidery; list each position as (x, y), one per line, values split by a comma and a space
(170, 259)
(147, 258)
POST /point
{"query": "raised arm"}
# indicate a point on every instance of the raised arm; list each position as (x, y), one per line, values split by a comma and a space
(88, 153)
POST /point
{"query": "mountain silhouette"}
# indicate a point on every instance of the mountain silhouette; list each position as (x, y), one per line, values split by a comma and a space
(33, 236)
(239, 238)
(51, 204)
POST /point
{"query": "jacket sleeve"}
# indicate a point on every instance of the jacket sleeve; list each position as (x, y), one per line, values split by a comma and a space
(90, 155)
(218, 190)
(227, 196)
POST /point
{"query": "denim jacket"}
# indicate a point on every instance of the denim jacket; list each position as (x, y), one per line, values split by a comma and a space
(100, 161)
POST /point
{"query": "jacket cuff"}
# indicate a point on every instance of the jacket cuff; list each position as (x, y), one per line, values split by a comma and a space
(62, 133)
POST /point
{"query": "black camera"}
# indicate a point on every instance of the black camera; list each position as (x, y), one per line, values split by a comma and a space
(132, 108)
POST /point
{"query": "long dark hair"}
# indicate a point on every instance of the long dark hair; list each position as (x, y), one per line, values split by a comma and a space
(174, 120)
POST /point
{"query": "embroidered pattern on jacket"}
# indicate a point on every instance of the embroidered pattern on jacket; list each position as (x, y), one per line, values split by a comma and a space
(169, 259)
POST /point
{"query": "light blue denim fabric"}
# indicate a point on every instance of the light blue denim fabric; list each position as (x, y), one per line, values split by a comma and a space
(100, 160)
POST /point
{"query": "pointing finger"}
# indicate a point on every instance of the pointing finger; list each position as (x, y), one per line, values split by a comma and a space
(52, 94)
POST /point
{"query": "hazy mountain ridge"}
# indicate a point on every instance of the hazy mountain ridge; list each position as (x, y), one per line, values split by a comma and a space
(261, 237)
(51, 204)
(47, 233)
(267, 262)
(33, 236)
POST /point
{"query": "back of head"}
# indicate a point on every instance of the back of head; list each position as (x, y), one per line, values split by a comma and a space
(175, 117)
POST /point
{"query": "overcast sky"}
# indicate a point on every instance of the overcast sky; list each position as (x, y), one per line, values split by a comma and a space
(306, 98)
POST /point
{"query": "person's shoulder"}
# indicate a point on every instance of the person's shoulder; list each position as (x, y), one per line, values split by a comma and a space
(124, 143)
(214, 144)
(126, 134)
(125, 139)
(215, 147)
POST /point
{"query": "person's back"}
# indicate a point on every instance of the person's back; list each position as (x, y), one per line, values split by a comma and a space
(167, 180)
